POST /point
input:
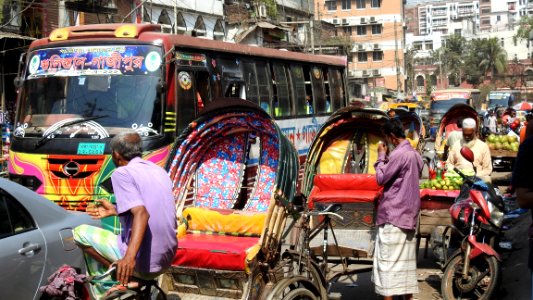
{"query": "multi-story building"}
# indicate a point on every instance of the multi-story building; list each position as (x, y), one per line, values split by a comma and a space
(375, 29)
(448, 18)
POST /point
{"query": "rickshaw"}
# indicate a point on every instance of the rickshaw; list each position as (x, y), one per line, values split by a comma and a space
(234, 177)
(339, 177)
(448, 124)
(412, 123)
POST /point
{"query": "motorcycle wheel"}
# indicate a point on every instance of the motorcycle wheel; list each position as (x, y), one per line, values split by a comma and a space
(484, 277)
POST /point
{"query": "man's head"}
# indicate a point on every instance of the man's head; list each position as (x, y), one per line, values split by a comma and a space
(391, 113)
(125, 146)
(393, 131)
(513, 113)
(469, 129)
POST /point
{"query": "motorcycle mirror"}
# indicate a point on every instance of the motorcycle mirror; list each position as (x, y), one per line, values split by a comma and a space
(467, 154)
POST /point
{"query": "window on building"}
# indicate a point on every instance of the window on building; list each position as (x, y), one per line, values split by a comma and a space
(485, 22)
(376, 29)
(429, 45)
(375, 3)
(362, 57)
(361, 30)
(457, 32)
(377, 56)
(417, 45)
(360, 4)
(346, 4)
(502, 42)
(498, 18)
(347, 31)
(331, 5)
(485, 10)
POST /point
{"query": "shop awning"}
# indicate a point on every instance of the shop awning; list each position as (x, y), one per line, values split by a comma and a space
(10, 35)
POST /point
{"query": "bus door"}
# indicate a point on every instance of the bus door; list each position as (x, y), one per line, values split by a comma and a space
(193, 93)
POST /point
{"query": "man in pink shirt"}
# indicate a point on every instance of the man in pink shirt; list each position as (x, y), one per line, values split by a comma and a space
(394, 271)
(145, 206)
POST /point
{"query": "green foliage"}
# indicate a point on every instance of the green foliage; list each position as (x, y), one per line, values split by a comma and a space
(271, 6)
(524, 27)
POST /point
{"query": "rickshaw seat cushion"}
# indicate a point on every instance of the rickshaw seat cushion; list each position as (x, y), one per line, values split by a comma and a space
(328, 182)
(224, 221)
(218, 252)
(344, 188)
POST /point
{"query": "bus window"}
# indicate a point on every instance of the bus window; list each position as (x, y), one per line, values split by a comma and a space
(318, 90)
(282, 99)
(335, 86)
(308, 91)
(298, 88)
(186, 98)
(327, 90)
(251, 81)
(201, 80)
(264, 84)
(231, 76)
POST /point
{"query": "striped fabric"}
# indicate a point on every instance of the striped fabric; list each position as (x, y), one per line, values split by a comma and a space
(394, 271)
(106, 244)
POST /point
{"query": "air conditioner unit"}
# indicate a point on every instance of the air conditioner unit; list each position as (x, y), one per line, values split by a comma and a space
(373, 20)
(376, 47)
(365, 73)
(344, 21)
(360, 47)
(363, 21)
(166, 28)
(335, 21)
(376, 72)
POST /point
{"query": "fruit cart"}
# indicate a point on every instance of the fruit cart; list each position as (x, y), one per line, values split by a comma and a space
(436, 196)
(503, 149)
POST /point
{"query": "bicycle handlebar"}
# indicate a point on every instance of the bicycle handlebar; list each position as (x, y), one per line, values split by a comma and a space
(326, 213)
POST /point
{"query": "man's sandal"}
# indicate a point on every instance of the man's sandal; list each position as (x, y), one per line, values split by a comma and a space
(119, 291)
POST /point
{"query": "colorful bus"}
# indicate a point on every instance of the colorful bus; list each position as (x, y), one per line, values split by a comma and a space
(82, 85)
(443, 100)
(503, 98)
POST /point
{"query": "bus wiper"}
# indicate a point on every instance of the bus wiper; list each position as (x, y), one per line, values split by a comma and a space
(46, 138)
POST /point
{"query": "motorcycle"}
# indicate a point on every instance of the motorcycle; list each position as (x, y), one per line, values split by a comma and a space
(473, 270)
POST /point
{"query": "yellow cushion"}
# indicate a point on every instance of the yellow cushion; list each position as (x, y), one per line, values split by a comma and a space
(231, 222)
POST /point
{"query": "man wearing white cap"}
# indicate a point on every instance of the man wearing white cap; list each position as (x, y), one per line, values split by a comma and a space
(482, 159)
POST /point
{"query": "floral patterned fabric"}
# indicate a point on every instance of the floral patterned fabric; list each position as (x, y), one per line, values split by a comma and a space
(215, 151)
(219, 176)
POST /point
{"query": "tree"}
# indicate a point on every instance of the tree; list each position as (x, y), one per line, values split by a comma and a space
(409, 58)
(525, 25)
(494, 58)
(450, 58)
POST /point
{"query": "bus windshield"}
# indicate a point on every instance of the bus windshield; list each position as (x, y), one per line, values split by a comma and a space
(442, 106)
(117, 85)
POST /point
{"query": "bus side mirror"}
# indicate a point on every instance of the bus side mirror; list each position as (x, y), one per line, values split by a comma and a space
(18, 81)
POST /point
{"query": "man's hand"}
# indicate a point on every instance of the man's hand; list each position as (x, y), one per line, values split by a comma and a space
(101, 209)
(382, 148)
(125, 267)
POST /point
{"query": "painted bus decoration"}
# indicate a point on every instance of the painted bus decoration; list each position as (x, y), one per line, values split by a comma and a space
(82, 85)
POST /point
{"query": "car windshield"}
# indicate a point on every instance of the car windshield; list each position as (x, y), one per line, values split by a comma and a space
(442, 106)
(498, 102)
(124, 95)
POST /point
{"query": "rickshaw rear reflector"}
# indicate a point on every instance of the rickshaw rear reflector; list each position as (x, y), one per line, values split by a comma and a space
(60, 34)
(126, 31)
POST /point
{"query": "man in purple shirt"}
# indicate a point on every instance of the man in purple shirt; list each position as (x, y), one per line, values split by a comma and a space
(146, 210)
(394, 271)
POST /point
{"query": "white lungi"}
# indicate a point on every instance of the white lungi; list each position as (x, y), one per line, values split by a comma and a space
(394, 271)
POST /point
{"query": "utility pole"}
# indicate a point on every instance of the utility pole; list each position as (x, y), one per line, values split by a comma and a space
(396, 59)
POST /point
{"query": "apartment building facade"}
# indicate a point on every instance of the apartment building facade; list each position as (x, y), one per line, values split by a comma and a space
(375, 29)
(448, 18)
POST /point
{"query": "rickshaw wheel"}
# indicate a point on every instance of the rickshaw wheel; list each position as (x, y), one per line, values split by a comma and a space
(300, 294)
